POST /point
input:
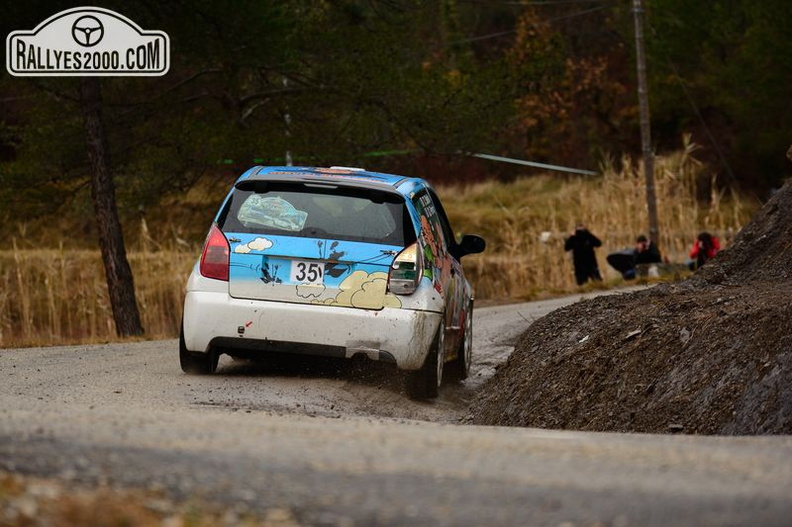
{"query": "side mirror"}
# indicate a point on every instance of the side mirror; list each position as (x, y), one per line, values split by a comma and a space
(471, 244)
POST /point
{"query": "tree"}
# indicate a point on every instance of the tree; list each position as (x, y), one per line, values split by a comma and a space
(120, 284)
(571, 104)
(723, 69)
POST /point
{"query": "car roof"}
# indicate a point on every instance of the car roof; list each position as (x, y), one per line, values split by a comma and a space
(345, 176)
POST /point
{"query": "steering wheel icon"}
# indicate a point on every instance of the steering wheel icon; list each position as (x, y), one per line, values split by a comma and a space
(87, 31)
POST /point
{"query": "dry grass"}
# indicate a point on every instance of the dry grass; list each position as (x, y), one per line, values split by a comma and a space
(58, 296)
(526, 222)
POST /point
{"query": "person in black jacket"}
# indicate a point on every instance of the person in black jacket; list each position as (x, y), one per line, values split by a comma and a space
(582, 244)
(626, 261)
(646, 251)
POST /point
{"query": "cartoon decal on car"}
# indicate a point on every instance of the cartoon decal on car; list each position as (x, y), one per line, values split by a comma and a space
(333, 268)
(257, 245)
(363, 290)
(269, 276)
(437, 266)
(361, 287)
(327, 280)
(271, 212)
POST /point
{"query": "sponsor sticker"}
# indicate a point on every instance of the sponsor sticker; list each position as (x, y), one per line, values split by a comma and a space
(87, 41)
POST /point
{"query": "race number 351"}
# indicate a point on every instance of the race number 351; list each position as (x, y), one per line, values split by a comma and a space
(307, 272)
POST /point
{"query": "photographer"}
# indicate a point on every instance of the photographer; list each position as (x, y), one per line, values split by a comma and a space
(582, 244)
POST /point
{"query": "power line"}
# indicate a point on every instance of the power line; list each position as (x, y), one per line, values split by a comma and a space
(557, 168)
(548, 21)
(484, 37)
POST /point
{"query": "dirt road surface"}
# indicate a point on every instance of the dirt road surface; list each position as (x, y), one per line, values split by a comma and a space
(340, 443)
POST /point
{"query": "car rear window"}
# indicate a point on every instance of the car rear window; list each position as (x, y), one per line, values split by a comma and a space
(332, 212)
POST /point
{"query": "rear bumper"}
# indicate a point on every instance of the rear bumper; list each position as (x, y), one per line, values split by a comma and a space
(216, 319)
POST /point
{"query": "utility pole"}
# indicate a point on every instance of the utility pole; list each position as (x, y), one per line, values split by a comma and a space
(287, 120)
(646, 137)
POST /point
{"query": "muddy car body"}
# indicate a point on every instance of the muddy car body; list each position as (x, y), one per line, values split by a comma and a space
(334, 262)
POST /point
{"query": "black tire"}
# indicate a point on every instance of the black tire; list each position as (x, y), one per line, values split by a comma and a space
(461, 365)
(425, 383)
(196, 363)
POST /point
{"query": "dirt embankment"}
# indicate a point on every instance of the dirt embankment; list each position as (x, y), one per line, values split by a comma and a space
(709, 355)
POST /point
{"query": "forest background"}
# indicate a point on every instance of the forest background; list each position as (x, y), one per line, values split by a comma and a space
(399, 86)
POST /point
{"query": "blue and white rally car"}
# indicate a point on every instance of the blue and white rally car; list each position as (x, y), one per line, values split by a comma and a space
(336, 262)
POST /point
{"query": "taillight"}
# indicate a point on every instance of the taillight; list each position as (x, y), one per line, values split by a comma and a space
(214, 258)
(405, 272)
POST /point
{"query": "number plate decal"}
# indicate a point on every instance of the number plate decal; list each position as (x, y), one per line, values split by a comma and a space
(306, 272)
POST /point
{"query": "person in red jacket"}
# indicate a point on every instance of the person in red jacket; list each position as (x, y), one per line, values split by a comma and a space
(704, 249)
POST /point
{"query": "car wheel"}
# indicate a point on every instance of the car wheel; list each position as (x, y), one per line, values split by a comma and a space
(196, 363)
(425, 383)
(465, 352)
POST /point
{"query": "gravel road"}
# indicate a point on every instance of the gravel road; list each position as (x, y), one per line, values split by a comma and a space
(340, 444)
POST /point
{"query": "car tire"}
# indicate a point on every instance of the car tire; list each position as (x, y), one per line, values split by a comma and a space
(461, 365)
(196, 363)
(425, 383)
